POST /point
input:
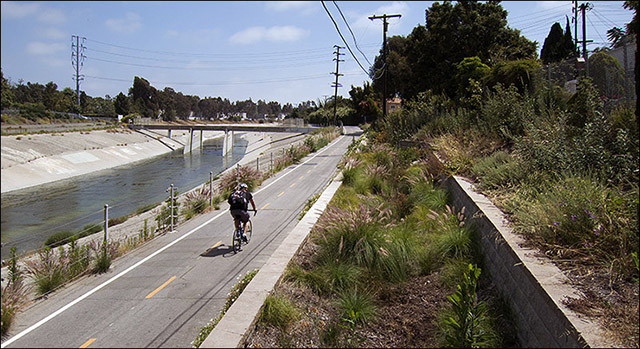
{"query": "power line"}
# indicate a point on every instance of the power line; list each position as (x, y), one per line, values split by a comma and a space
(200, 61)
(343, 40)
(299, 78)
(232, 55)
(352, 35)
(284, 65)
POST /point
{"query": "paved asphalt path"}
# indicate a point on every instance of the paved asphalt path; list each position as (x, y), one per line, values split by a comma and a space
(162, 293)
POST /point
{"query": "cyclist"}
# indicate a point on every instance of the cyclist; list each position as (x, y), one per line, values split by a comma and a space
(238, 205)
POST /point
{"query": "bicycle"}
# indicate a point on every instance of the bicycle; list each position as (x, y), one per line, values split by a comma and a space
(236, 238)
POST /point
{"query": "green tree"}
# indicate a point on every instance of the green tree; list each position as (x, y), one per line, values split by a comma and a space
(607, 75)
(121, 104)
(452, 32)
(364, 105)
(6, 92)
(470, 68)
(557, 45)
(144, 98)
(522, 73)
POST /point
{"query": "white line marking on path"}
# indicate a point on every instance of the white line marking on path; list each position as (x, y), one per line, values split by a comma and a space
(97, 288)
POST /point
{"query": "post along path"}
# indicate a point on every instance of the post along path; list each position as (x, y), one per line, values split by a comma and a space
(162, 293)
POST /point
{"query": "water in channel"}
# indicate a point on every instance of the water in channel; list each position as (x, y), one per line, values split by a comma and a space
(30, 216)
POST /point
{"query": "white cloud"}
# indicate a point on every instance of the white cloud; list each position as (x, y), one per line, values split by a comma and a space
(12, 9)
(42, 48)
(55, 62)
(129, 24)
(306, 7)
(52, 16)
(199, 37)
(395, 8)
(277, 33)
(52, 33)
(362, 20)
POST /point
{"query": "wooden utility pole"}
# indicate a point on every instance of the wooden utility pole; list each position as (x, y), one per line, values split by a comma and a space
(584, 7)
(384, 58)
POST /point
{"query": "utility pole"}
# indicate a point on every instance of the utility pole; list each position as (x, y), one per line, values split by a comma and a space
(584, 7)
(77, 59)
(336, 84)
(384, 57)
(575, 25)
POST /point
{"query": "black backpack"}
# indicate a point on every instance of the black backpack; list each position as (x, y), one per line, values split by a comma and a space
(237, 200)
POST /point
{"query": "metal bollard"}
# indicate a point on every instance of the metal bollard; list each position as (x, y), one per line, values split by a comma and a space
(106, 221)
(170, 190)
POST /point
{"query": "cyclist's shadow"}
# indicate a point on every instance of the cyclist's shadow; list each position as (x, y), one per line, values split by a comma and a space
(221, 250)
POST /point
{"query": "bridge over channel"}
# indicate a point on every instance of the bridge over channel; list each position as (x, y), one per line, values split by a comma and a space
(228, 129)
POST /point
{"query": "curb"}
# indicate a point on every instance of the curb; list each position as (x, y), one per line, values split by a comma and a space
(235, 326)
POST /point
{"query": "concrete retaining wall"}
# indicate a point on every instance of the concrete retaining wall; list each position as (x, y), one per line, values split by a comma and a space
(532, 285)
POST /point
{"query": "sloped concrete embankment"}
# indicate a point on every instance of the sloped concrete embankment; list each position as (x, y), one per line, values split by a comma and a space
(31, 160)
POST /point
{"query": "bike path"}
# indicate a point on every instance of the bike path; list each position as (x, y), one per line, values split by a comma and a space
(162, 293)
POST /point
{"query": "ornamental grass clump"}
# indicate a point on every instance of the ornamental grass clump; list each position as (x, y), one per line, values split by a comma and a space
(350, 171)
(454, 239)
(47, 271)
(196, 201)
(242, 174)
(353, 235)
(423, 193)
(278, 311)
(356, 306)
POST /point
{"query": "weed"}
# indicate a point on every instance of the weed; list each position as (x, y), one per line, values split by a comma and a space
(464, 327)
(47, 271)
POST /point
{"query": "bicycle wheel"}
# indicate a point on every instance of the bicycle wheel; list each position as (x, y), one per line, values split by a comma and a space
(249, 231)
(235, 241)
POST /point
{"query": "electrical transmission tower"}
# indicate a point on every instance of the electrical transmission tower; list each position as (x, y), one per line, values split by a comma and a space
(384, 57)
(336, 84)
(77, 60)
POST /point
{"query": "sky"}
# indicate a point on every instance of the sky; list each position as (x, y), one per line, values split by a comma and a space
(263, 50)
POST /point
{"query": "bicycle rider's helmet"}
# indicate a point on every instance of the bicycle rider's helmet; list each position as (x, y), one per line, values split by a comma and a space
(242, 186)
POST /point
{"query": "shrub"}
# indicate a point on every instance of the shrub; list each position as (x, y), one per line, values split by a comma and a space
(499, 170)
(59, 238)
(504, 113)
(579, 217)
